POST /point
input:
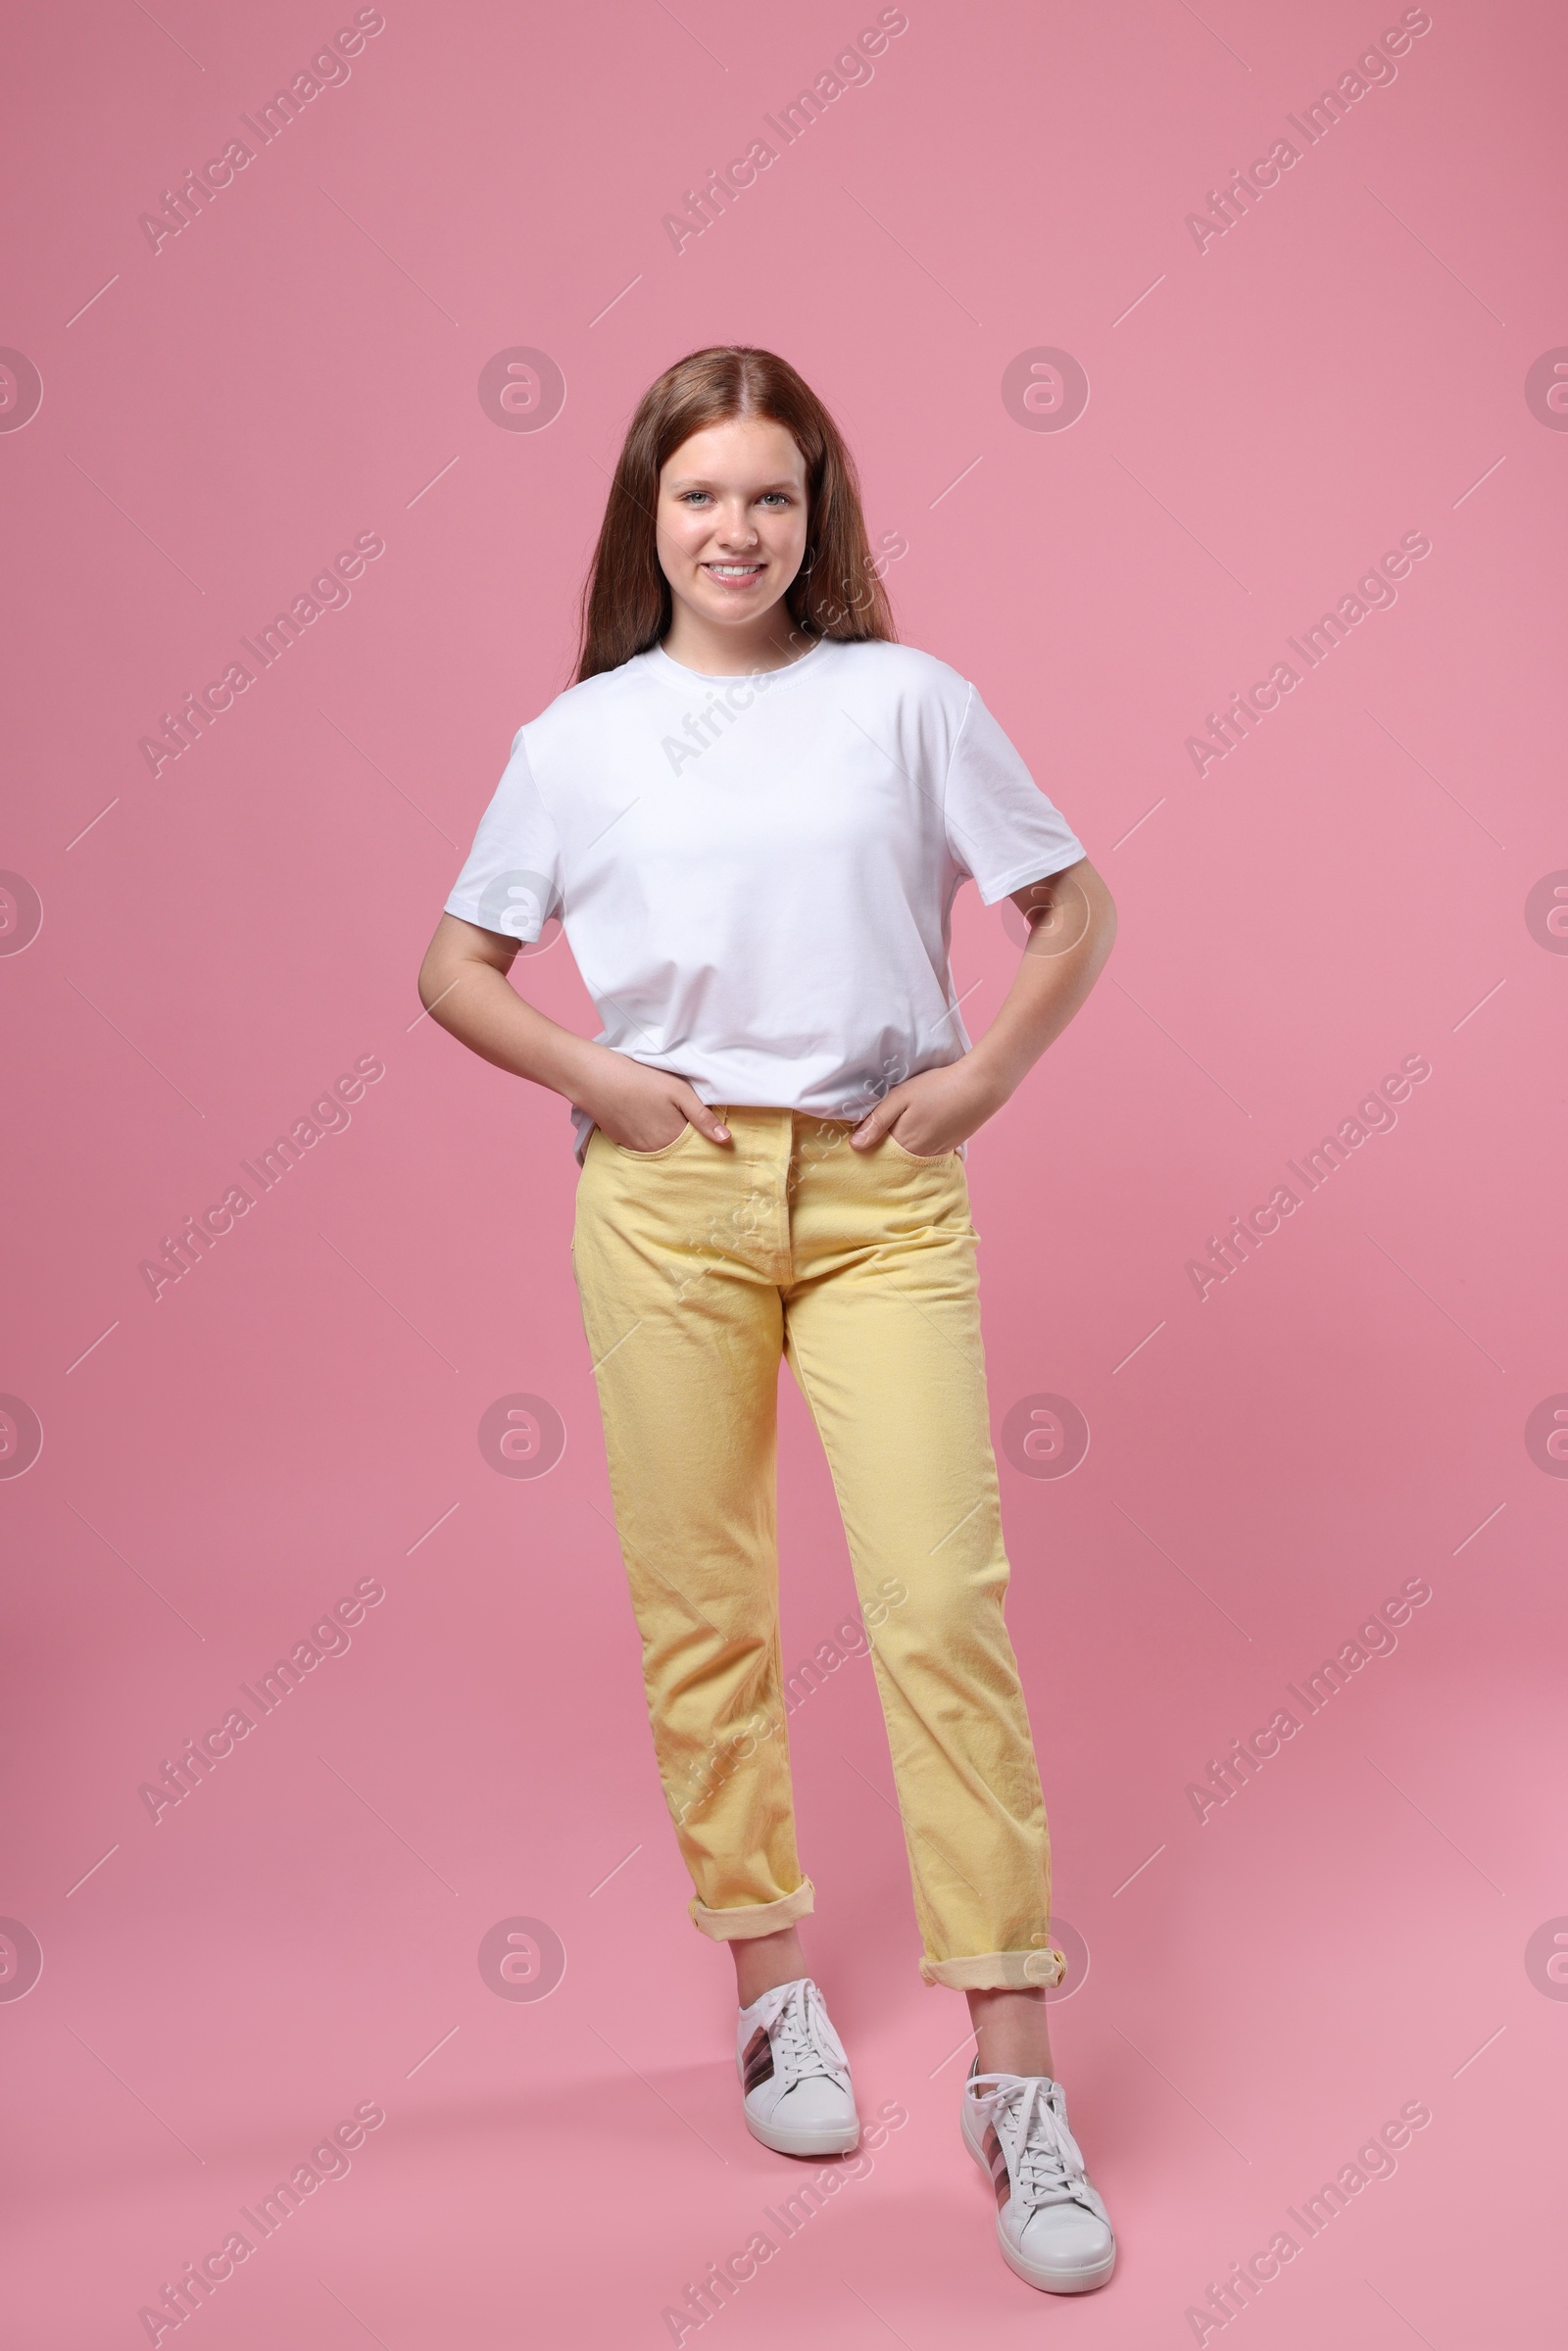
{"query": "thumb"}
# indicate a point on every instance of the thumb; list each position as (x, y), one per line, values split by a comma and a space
(699, 1115)
(876, 1123)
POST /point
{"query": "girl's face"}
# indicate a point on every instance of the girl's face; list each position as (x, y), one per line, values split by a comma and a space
(731, 519)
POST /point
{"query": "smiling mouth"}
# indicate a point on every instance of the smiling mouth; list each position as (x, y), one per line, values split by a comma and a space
(733, 570)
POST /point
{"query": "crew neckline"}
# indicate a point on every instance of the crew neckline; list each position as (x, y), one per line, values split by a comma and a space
(675, 671)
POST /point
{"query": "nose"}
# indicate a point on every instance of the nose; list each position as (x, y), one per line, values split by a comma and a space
(736, 529)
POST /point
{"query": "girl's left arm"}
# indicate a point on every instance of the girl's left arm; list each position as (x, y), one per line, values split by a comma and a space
(1072, 921)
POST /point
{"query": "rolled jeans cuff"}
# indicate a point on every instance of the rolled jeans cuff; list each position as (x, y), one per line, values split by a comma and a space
(754, 1917)
(998, 1970)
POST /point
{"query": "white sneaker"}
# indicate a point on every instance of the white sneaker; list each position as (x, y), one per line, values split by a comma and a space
(1054, 2230)
(795, 2079)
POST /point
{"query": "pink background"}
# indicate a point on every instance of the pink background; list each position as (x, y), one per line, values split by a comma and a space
(300, 366)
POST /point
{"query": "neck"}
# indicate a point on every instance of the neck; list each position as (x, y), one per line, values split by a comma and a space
(771, 642)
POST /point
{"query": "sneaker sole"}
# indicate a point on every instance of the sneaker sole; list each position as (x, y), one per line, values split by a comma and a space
(840, 2140)
(1048, 2281)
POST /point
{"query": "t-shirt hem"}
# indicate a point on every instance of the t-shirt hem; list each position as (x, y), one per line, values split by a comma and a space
(468, 909)
(1034, 871)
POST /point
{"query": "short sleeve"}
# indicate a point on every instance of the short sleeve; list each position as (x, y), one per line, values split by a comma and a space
(1002, 829)
(512, 880)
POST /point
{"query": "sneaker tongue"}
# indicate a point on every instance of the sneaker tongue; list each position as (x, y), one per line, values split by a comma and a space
(1048, 2161)
(768, 2004)
(794, 2028)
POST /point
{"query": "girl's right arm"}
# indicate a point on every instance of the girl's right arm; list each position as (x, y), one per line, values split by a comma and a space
(463, 986)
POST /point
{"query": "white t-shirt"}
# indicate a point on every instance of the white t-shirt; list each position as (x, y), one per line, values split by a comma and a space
(755, 874)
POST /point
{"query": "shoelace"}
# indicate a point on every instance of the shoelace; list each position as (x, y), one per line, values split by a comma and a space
(798, 2030)
(1048, 2165)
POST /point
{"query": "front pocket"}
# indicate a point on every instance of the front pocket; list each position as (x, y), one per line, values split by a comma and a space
(664, 1149)
(919, 1158)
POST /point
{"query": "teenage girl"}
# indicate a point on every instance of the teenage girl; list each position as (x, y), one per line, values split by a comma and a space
(752, 811)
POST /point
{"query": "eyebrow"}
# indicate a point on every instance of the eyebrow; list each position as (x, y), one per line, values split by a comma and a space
(702, 482)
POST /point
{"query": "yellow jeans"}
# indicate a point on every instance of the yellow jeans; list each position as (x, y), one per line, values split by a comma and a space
(698, 1267)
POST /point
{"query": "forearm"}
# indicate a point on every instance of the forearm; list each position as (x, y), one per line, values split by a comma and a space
(476, 1003)
(1050, 984)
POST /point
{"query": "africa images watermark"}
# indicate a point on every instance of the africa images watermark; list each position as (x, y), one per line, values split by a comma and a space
(1228, 1774)
(328, 591)
(199, 2280)
(723, 2279)
(328, 69)
(850, 69)
(184, 1774)
(1228, 1252)
(1373, 69)
(328, 1114)
(850, 1638)
(1228, 730)
(1375, 2161)
(706, 1773)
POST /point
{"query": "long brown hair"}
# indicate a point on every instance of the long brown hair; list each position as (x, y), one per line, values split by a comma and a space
(626, 605)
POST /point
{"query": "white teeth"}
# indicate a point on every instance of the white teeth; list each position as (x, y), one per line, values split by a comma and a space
(733, 570)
